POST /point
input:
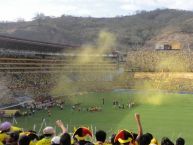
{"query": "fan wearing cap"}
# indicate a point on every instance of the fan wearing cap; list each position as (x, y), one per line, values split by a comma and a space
(125, 137)
(128, 138)
(80, 135)
(5, 127)
(48, 133)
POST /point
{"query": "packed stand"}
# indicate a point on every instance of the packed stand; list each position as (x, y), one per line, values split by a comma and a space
(11, 135)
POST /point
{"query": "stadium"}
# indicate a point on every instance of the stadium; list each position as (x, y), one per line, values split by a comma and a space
(91, 72)
(43, 82)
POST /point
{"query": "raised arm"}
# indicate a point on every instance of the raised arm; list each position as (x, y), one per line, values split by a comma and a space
(60, 124)
(139, 127)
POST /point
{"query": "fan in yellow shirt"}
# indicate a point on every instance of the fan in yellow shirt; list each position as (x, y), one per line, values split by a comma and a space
(5, 128)
(48, 132)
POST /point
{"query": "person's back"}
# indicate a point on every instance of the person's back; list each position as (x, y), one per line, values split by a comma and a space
(3, 137)
(180, 141)
(44, 141)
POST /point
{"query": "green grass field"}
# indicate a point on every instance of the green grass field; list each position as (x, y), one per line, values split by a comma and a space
(161, 114)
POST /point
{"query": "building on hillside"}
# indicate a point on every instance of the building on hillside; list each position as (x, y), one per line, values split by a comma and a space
(168, 45)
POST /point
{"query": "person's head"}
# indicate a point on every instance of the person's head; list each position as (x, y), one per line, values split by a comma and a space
(65, 139)
(144, 140)
(166, 141)
(180, 141)
(100, 135)
(24, 140)
(33, 136)
(49, 131)
(150, 136)
(81, 133)
(5, 126)
(124, 137)
(14, 136)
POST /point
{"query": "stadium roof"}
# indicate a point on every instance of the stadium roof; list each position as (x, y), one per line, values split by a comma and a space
(19, 44)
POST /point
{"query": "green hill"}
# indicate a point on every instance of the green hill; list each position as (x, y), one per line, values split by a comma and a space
(131, 31)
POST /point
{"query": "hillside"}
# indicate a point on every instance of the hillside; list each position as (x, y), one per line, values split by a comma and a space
(132, 32)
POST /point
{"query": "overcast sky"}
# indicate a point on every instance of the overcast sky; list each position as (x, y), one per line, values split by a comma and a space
(11, 10)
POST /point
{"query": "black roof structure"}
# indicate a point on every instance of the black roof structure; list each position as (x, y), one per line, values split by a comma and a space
(19, 44)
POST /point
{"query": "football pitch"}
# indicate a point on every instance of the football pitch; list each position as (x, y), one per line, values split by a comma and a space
(162, 114)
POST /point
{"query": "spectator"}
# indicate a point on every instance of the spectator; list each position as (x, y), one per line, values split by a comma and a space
(100, 137)
(5, 127)
(13, 139)
(150, 136)
(80, 135)
(124, 137)
(166, 141)
(145, 139)
(33, 137)
(65, 139)
(48, 132)
(24, 140)
(180, 141)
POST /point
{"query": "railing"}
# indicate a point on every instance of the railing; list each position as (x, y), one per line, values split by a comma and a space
(28, 65)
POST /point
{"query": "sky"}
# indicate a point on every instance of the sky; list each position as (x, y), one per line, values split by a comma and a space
(13, 10)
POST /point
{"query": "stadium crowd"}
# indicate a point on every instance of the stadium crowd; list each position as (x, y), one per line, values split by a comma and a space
(11, 135)
(156, 61)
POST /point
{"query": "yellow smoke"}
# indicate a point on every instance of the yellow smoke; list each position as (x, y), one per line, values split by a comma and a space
(88, 64)
(153, 97)
(94, 53)
(155, 83)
